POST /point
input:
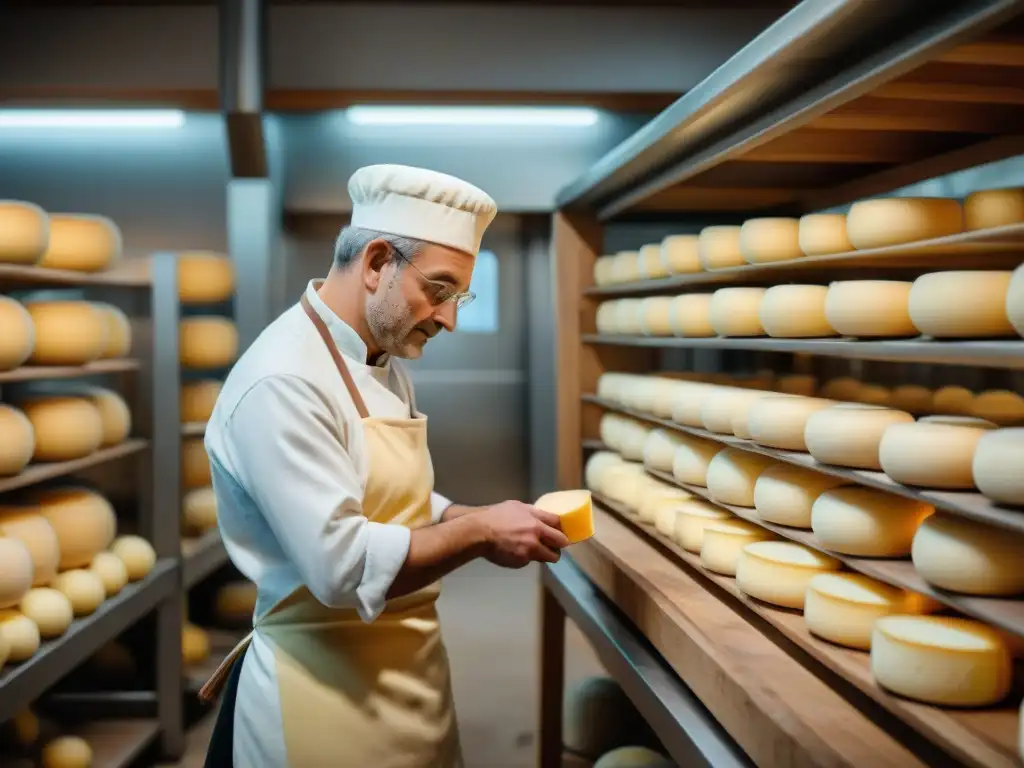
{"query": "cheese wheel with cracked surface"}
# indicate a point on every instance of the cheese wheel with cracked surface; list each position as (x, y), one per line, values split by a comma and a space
(65, 428)
(719, 247)
(930, 454)
(198, 398)
(195, 464)
(66, 332)
(1015, 300)
(625, 267)
(823, 234)
(111, 571)
(972, 558)
(961, 305)
(785, 494)
(656, 316)
(24, 232)
(896, 220)
(849, 434)
(717, 409)
(780, 422)
(207, 342)
(660, 449)
(16, 571)
(119, 331)
(49, 609)
(795, 312)
(17, 441)
(679, 254)
(736, 312)
(204, 277)
(81, 243)
(20, 633)
(19, 336)
(732, 474)
(867, 522)
(778, 572)
(941, 660)
(692, 459)
(770, 239)
(651, 265)
(843, 607)
(24, 523)
(997, 466)
(690, 316)
(723, 542)
(999, 406)
(989, 208)
(868, 309)
(83, 588)
(575, 511)
(692, 518)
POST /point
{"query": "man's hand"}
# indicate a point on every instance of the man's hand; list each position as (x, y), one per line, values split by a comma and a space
(517, 534)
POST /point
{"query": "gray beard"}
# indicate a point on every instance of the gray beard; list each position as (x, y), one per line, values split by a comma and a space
(389, 324)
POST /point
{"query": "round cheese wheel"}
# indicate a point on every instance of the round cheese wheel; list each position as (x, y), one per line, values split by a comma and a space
(665, 520)
(137, 554)
(609, 385)
(690, 316)
(655, 316)
(16, 571)
(84, 589)
(67, 752)
(996, 467)
(606, 316)
(843, 607)
(598, 716)
(870, 308)
(1015, 300)
(19, 336)
(195, 464)
(795, 312)
(952, 401)
(633, 757)
(780, 422)
(930, 454)
(736, 311)
(897, 220)
(822, 234)
(83, 520)
(119, 331)
(732, 474)
(692, 518)
(867, 522)
(770, 239)
(21, 634)
(207, 342)
(778, 572)
(65, 428)
(660, 449)
(679, 254)
(844, 388)
(785, 494)
(596, 465)
(692, 459)
(964, 556)
(199, 510)
(719, 247)
(873, 394)
(114, 415)
(195, 645)
(662, 398)
(22, 730)
(623, 483)
(723, 543)
(17, 441)
(998, 406)
(49, 610)
(25, 524)
(204, 277)
(849, 434)
(111, 572)
(912, 398)
(628, 316)
(24, 232)
(66, 332)
(963, 304)
(625, 267)
(81, 243)
(651, 265)
(994, 208)
(717, 410)
(688, 401)
(741, 415)
(941, 660)
(235, 602)
(659, 496)
(603, 270)
(801, 384)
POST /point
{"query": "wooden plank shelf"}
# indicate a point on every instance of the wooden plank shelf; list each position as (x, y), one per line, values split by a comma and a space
(44, 372)
(38, 473)
(130, 273)
(117, 743)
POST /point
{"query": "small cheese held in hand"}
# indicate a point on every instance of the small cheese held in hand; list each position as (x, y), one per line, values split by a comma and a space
(575, 510)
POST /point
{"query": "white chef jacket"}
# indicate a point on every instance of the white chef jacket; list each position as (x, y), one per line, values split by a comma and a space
(289, 471)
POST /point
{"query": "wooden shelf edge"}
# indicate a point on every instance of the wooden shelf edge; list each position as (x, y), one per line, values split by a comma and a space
(38, 473)
(120, 276)
(42, 372)
(117, 743)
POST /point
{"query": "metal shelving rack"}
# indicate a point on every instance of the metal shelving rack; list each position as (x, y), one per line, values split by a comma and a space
(837, 101)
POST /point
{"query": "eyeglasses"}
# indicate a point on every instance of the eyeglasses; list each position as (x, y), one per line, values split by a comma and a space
(439, 292)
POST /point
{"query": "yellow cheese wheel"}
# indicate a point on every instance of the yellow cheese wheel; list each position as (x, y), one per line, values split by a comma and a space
(952, 401)
(656, 496)
(996, 466)
(717, 409)
(692, 518)
(736, 311)
(83, 588)
(994, 208)
(114, 414)
(690, 316)
(207, 342)
(740, 425)
(1015, 300)
(732, 474)
(801, 384)
(66, 332)
(687, 402)
(81, 243)
(822, 234)
(650, 263)
(606, 316)
(235, 602)
(692, 459)
(628, 315)
(119, 331)
(897, 220)
(111, 571)
(625, 267)
(962, 304)
(24, 232)
(770, 239)
(623, 483)
(941, 660)
(575, 511)
(723, 543)
(16, 571)
(867, 522)
(17, 441)
(25, 524)
(795, 312)
(204, 277)
(719, 247)
(778, 572)
(195, 464)
(931, 454)
(655, 316)
(633, 757)
(49, 610)
(660, 449)
(65, 428)
(662, 397)
(67, 752)
(844, 388)
(912, 398)
(870, 308)
(785, 494)
(849, 434)
(999, 406)
(19, 336)
(603, 270)
(874, 394)
(137, 554)
(596, 465)
(199, 511)
(195, 645)
(679, 254)
(780, 422)
(609, 386)
(83, 520)
(964, 556)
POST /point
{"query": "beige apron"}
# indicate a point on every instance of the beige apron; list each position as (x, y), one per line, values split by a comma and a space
(358, 695)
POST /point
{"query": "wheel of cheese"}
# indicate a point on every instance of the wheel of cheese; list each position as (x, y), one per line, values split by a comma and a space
(207, 342)
(912, 398)
(16, 571)
(688, 401)
(625, 267)
(732, 474)
(609, 387)
(692, 459)
(633, 757)
(596, 465)
(195, 464)
(1015, 300)
(606, 316)
(801, 384)
(822, 234)
(17, 441)
(195, 645)
(736, 312)
(795, 312)
(660, 449)
(119, 331)
(610, 427)
(740, 425)
(115, 416)
(24, 232)
(843, 388)
(897, 220)
(874, 394)
(65, 428)
(719, 247)
(780, 422)
(778, 572)
(83, 520)
(999, 406)
(67, 752)
(930, 454)
(785, 494)
(723, 543)
(988, 208)
(964, 556)
(603, 270)
(66, 332)
(849, 434)
(199, 510)
(235, 602)
(718, 408)
(25, 524)
(692, 518)
(622, 483)
(111, 571)
(941, 660)
(204, 277)
(650, 263)
(997, 463)
(952, 401)
(634, 436)
(867, 522)
(655, 316)
(679, 254)
(20, 634)
(628, 319)
(137, 554)
(19, 336)
(870, 308)
(656, 496)
(770, 239)
(961, 305)
(81, 243)
(598, 716)
(49, 610)
(690, 316)
(663, 397)
(83, 588)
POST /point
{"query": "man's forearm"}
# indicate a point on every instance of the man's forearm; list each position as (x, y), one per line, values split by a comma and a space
(455, 511)
(437, 550)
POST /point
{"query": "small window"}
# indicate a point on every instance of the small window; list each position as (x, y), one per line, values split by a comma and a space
(481, 315)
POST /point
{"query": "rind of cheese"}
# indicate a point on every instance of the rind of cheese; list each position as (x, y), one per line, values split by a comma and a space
(870, 308)
(603, 270)
(623, 483)
(656, 496)
(719, 247)
(207, 342)
(596, 465)
(625, 267)
(660, 449)
(114, 414)
(628, 316)
(767, 240)
(20, 634)
(65, 428)
(198, 398)
(49, 609)
(81, 243)
(204, 277)
(84, 522)
(119, 331)
(849, 434)
(606, 317)
(25, 524)
(912, 398)
(692, 459)
(968, 557)
(874, 394)
(896, 220)
(843, 388)
(735, 312)
(989, 208)
(66, 332)
(778, 572)
(16, 571)
(137, 554)
(740, 423)
(930, 454)
(867, 522)
(679, 254)
(111, 571)
(961, 305)
(67, 752)
(651, 265)
(785, 494)
(195, 464)
(575, 512)
(692, 518)
(1015, 300)
(716, 413)
(83, 588)
(690, 316)
(687, 402)
(19, 336)
(795, 312)
(823, 234)
(656, 316)
(24, 232)
(997, 466)
(723, 543)
(952, 401)
(1000, 406)
(17, 441)
(780, 422)
(732, 474)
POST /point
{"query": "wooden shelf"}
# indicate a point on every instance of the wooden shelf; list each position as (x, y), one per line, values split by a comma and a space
(129, 273)
(193, 429)
(42, 372)
(117, 743)
(202, 556)
(38, 473)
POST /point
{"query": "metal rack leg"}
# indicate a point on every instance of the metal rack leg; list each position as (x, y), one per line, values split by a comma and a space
(552, 679)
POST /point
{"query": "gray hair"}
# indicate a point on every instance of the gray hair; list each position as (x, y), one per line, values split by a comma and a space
(352, 241)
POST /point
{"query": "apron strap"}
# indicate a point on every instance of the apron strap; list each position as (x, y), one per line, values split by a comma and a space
(213, 687)
(339, 361)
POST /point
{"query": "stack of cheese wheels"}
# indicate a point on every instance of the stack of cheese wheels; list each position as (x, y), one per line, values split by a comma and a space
(17, 441)
(780, 422)
(1015, 300)
(719, 247)
(849, 434)
(692, 460)
(867, 522)
(679, 254)
(870, 308)
(732, 474)
(770, 239)
(894, 221)
(198, 511)
(652, 267)
(24, 232)
(207, 342)
(115, 417)
(655, 316)
(778, 572)
(65, 428)
(723, 541)
(195, 464)
(81, 243)
(935, 452)
(965, 556)
(785, 494)
(18, 339)
(989, 208)
(690, 316)
(83, 520)
(24, 523)
(823, 234)
(795, 312)
(998, 458)
(119, 331)
(67, 332)
(961, 305)
(204, 277)
(692, 518)
(736, 312)
(625, 267)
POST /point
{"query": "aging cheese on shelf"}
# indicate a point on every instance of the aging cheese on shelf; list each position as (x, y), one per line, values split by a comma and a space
(633, 757)
(843, 607)
(931, 454)
(596, 466)
(65, 428)
(770, 239)
(651, 265)
(137, 554)
(717, 410)
(628, 316)
(656, 496)
(25, 524)
(204, 277)
(870, 308)
(941, 660)
(989, 208)
(19, 337)
(623, 483)
(690, 316)
(874, 394)
(679, 254)
(778, 572)
(795, 312)
(207, 342)
(961, 305)
(83, 588)
(603, 270)
(688, 401)
(656, 316)
(665, 519)
(802, 384)
(83, 520)
(912, 398)
(1015, 300)
(843, 388)
(20, 634)
(692, 460)
(785, 494)
(780, 422)
(732, 474)
(723, 543)
(49, 610)
(736, 312)
(199, 511)
(16, 571)
(952, 401)
(849, 434)
(625, 267)
(17, 441)
(964, 556)
(195, 645)
(67, 752)
(999, 406)
(662, 398)
(867, 522)
(997, 464)
(606, 317)
(112, 572)
(24, 232)
(719, 247)
(740, 424)
(822, 234)
(114, 414)
(66, 332)
(660, 449)
(81, 243)
(195, 464)
(692, 518)
(897, 220)
(119, 331)
(235, 602)
(575, 511)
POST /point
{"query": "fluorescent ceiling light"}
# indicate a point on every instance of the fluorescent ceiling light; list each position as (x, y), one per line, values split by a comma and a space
(497, 116)
(91, 118)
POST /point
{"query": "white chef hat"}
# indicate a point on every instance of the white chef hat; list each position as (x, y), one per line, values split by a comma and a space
(421, 204)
